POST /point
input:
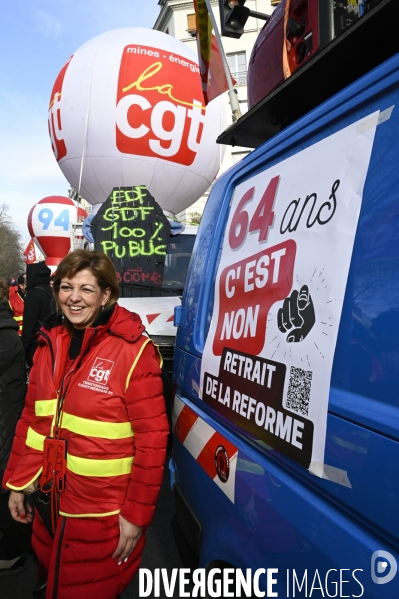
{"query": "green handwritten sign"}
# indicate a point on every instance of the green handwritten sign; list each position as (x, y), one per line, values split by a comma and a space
(132, 230)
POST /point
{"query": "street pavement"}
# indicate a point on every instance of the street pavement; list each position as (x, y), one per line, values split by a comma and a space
(160, 552)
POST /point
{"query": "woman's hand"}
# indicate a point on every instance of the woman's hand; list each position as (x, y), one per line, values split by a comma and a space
(32, 487)
(129, 535)
(19, 508)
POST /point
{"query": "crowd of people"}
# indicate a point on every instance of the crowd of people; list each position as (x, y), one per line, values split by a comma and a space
(83, 429)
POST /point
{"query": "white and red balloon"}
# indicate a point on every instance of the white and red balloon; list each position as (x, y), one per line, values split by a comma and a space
(50, 222)
(127, 109)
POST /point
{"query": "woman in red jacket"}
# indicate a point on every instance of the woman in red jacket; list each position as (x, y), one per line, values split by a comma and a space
(92, 434)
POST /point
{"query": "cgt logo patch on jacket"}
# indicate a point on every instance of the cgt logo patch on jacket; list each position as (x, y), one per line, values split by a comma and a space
(100, 371)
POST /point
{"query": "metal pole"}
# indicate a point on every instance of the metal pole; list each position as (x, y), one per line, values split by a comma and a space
(235, 106)
(259, 15)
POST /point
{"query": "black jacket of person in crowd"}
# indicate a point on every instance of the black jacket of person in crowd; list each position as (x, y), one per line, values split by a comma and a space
(37, 305)
(12, 382)
(15, 537)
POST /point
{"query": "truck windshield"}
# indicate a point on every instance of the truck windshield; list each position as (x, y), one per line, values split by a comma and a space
(176, 262)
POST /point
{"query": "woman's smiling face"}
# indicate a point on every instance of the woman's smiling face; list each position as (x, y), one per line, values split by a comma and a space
(81, 299)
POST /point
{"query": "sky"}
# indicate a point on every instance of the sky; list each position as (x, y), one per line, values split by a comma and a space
(37, 38)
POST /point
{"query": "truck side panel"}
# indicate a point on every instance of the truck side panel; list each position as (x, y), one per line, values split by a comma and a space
(281, 516)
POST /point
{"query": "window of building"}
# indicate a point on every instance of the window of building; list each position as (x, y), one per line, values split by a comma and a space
(238, 66)
(237, 156)
(191, 25)
(243, 106)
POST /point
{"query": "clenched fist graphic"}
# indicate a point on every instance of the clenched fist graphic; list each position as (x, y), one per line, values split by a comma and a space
(297, 315)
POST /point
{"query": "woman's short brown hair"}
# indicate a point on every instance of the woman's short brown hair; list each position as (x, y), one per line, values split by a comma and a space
(3, 291)
(97, 263)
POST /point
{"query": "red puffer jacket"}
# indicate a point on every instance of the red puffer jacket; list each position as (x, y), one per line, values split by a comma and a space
(17, 306)
(113, 419)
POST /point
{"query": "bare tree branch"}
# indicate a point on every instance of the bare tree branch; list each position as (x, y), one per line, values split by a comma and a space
(11, 260)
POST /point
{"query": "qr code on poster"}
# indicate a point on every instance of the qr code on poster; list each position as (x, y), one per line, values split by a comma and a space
(299, 390)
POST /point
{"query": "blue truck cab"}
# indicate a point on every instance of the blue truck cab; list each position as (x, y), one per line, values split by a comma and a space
(243, 502)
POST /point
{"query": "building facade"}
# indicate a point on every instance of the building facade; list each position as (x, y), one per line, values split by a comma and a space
(177, 18)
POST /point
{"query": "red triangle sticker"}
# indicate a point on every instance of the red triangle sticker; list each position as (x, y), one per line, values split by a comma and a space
(151, 317)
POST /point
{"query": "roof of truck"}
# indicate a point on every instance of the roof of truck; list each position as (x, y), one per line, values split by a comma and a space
(366, 44)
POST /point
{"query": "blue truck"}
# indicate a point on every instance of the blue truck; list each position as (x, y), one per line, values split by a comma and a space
(246, 498)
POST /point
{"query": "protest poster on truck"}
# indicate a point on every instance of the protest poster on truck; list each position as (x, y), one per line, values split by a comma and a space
(279, 292)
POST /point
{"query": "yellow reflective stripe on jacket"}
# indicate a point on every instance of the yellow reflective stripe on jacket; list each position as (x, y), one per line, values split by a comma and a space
(105, 468)
(46, 407)
(96, 428)
(159, 354)
(26, 484)
(89, 515)
(146, 342)
(34, 439)
(17, 317)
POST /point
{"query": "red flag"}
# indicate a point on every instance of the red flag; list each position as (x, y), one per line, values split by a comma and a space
(30, 253)
(213, 77)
